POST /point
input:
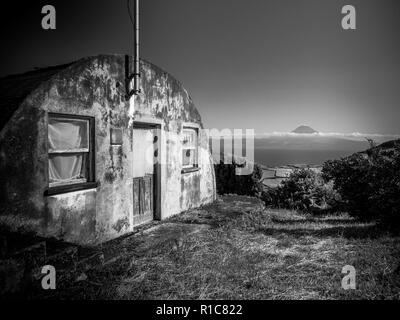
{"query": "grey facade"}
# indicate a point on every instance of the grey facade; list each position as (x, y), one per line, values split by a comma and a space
(126, 175)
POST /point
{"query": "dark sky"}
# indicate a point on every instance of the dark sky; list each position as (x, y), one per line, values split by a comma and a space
(270, 65)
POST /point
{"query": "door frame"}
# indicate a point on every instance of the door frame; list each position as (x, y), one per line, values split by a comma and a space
(154, 124)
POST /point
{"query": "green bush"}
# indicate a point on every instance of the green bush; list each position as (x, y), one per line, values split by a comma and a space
(369, 182)
(303, 190)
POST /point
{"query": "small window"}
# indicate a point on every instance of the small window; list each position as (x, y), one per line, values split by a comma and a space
(70, 149)
(116, 136)
(189, 148)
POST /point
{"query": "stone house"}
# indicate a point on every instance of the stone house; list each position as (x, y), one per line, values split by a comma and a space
(73, 166)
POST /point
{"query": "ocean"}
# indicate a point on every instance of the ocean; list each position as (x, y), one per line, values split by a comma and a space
(277, 151)
(281, 157)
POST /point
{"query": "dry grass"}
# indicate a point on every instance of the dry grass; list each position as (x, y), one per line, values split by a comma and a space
(257, 254)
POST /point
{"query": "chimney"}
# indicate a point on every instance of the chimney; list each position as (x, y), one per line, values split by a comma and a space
(136, 72)
(136, 60)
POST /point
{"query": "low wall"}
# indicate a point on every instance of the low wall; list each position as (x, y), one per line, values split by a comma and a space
(272, 177)
(227, 182)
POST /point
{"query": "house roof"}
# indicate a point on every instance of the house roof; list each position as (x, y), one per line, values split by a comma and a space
(15, 88)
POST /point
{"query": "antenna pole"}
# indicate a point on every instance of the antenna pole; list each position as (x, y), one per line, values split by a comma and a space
(136, 72)
(136, 60)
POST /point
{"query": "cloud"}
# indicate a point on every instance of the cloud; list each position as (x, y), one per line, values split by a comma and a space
(351, 136)
(356, 136)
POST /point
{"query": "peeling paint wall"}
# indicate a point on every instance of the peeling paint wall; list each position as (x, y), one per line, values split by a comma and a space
(95, 87)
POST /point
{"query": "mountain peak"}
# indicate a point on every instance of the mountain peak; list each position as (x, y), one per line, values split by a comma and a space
(304, 129)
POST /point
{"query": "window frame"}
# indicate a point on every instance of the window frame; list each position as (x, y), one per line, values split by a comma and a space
(89, 183)
(195, 166)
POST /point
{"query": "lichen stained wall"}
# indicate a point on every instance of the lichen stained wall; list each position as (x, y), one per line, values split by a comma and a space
(95, 87)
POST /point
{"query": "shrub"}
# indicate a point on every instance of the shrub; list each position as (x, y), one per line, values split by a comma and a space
(369, 182)
(303, 190)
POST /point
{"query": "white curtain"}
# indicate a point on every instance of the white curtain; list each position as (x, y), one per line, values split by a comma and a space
(67, 134)
(189, 146)
(66, 168)
(189, 138)
(64, 135)
(188, 157)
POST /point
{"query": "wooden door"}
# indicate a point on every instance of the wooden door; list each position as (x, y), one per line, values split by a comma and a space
(143, 175)
(143, 199)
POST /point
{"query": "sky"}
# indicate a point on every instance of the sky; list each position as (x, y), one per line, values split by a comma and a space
(267, 65)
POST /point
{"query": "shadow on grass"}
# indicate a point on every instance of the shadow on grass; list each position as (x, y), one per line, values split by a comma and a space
(348, 232)
(215, 217)
(314, 220)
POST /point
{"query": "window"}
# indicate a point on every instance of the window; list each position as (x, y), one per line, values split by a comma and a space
(70, 148)
(189, 148)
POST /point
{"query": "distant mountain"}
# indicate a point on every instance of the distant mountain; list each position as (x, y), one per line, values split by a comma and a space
(304, 130)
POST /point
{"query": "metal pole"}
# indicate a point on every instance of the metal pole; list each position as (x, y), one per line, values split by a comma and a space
(136, 72)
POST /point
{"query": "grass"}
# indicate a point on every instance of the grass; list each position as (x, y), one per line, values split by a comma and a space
(254, 253)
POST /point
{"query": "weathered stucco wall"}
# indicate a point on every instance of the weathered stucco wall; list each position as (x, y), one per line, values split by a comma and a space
(95, 87)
